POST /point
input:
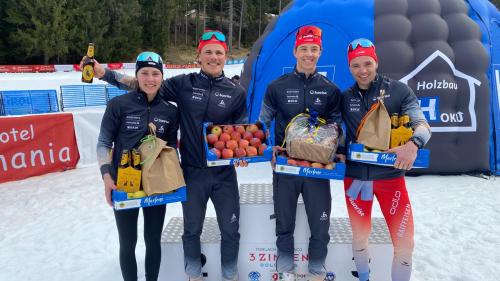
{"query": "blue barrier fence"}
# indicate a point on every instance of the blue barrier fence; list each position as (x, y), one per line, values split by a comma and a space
(44, 101)
(28, 102)
(87, 95)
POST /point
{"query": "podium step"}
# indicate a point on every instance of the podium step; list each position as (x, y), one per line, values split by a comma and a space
(257, 255)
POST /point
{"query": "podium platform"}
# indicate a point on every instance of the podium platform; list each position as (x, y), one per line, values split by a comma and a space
(257, 255)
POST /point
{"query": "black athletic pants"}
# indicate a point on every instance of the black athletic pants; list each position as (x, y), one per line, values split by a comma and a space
(126, 222)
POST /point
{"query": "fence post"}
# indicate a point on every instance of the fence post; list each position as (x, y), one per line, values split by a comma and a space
(2, 109)
(31, 102)
(84, 95)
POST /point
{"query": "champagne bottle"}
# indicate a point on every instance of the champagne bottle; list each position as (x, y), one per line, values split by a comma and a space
(394, 121)
(124, 161)
(136, 159)
(88, 65)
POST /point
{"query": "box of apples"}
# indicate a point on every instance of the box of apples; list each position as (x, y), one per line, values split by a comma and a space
(304, 168)
(123, 200)
(358, 153)
(225, 144)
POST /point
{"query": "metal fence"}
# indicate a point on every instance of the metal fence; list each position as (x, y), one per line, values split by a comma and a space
(28, 102)
(87, 95)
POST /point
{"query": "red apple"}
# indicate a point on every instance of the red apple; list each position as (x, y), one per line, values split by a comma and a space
(211, 139)
(227, 153)
(255, 142)
(240, 152)
(240, 129)
(317, 165)
(304, 163)
(260, 135)
(231, 144)
(224, 137)
(220, 145)
(262, 148)
(228, 129)
(247, 136)
(216, 130)
(235, 136)
(292, 162)
(243, 144)
(252, 128)
(216, 151)
(251, 151)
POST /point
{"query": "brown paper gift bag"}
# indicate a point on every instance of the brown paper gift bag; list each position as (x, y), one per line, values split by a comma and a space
(161, 171)
(374, 131)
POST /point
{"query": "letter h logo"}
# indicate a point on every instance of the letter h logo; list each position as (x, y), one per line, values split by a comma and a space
(430, 108)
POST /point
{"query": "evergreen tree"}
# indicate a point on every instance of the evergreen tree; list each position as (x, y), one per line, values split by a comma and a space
(89, 24)
(123, 38)
(40, 28)
(156, 19)
(3, 33)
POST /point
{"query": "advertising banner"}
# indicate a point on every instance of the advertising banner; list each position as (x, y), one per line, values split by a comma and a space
(35, 145)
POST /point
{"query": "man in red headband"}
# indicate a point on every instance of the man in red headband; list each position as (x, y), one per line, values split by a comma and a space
(207, 96)
(289, 95)
(363, 181)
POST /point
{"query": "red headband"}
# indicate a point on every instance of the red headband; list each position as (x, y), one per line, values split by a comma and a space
(212, 40)
(308, 35)
(360, 52)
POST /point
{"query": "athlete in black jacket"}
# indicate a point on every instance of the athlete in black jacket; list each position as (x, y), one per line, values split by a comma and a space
(386, 183)
(207, 96)
(286, 97)
(124, 124)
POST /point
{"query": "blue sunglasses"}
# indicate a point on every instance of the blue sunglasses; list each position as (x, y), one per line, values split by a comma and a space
(363, 42)
(209, 34)
(149, 56)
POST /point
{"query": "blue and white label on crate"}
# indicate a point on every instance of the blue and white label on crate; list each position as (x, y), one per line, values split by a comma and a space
(336, 173)
(122, 202)
(357, 154)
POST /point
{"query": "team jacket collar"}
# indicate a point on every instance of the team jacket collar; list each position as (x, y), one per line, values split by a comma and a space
(302, 75)
(208, 77)
(375, 81)
(143, 97)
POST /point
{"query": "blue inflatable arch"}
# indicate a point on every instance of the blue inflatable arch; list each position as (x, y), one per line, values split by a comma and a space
(447, 51)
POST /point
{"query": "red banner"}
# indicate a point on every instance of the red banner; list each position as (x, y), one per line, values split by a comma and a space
(115, 65)
(27, 68)
(37, 144)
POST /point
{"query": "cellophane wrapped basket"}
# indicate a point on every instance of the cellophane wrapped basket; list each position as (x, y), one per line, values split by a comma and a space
(310, 138)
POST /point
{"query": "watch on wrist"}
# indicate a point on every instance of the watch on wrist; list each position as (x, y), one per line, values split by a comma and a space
(417, 141)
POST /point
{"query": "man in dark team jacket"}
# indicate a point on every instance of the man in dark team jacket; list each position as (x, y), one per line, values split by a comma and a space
(287, 96)
(387, 183)
(207, 96)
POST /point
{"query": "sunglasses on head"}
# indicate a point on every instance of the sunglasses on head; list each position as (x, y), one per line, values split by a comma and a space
(149, 56)
(309, 30)
(363, 42)
(211, 33)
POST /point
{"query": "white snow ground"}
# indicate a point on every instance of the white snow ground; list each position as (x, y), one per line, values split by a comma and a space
(58, 226)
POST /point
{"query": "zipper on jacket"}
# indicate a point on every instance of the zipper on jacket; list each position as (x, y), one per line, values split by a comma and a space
(203, 152)
(304, 96)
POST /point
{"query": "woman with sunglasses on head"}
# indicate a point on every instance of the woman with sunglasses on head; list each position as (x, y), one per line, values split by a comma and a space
(386, 183)
(124, 124)
(291, 94)
(206, 96)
